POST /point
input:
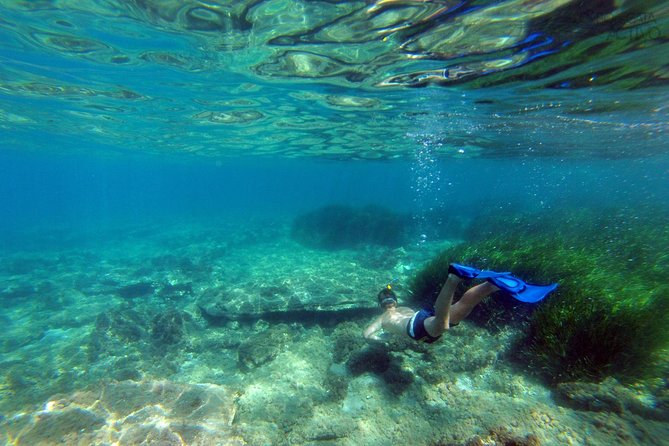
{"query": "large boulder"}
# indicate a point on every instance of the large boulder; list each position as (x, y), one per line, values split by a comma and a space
(341, 227)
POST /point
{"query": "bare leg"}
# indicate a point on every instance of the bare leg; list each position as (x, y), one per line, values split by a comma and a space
(469, 300)
(442, 307)
(445, 315)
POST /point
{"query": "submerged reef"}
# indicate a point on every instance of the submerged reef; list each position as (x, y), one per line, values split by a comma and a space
(340, 227)
(263, 347)
(248, 338)
(140, 289)
(607, 396)
(128, 412)
(500, 436)
(123, 338)
(610, 314)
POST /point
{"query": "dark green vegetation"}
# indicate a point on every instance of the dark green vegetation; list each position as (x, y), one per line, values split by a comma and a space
(611, 312)
(361, 357)
(341, 227)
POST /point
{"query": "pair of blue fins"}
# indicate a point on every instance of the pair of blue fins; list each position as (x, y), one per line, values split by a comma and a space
(507, 282)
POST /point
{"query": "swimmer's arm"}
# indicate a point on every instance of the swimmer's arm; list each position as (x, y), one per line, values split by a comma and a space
(371, 332)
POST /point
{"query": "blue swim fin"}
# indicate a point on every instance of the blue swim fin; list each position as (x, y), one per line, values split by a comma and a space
(468, 272)
(521, 290)
(462, 271)
(512, 285)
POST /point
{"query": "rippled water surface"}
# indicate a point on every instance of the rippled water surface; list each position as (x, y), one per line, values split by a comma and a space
(336, 79)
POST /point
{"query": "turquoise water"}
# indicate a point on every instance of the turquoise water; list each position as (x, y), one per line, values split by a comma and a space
(155, 158)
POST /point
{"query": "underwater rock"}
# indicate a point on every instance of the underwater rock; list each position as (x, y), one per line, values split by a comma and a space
(183, 264)
(286, 393)
(336, 382)
(117, 333)
(18, 291)
(158, 412)
(397, 379)
(471, 361)
(330, 430)
(23, 265)
(341, 227)
(140, 289)
(374, 359)
(120, 331)
(500, 436)
(263, 347)
(176, 291)
(126, 325)
(64, 424)
(25, 383)
(279, 303)
(607, 396)
(589, 396)
(213, 308)
(90, 284)
(347, 339)
(267, 421)
(167, 328)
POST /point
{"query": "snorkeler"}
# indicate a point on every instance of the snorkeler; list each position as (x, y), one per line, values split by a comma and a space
(429, 324)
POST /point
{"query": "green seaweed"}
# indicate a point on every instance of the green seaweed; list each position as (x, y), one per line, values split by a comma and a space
(346, 340)
(167, 328)
(581, 335)
(373, 358)
(610, 313)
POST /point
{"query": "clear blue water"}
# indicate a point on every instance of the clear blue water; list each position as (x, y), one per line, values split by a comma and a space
(86, 191)
(140, 129)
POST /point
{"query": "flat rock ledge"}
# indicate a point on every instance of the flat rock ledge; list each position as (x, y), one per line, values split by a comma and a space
(279, 304)
(130, 413)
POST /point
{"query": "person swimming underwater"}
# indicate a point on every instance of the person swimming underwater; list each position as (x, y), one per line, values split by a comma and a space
(429, 324)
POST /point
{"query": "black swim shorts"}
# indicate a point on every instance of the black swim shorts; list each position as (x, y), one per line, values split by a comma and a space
(416, 326)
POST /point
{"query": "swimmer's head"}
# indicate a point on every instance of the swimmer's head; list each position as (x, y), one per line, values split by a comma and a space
(387, 297)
